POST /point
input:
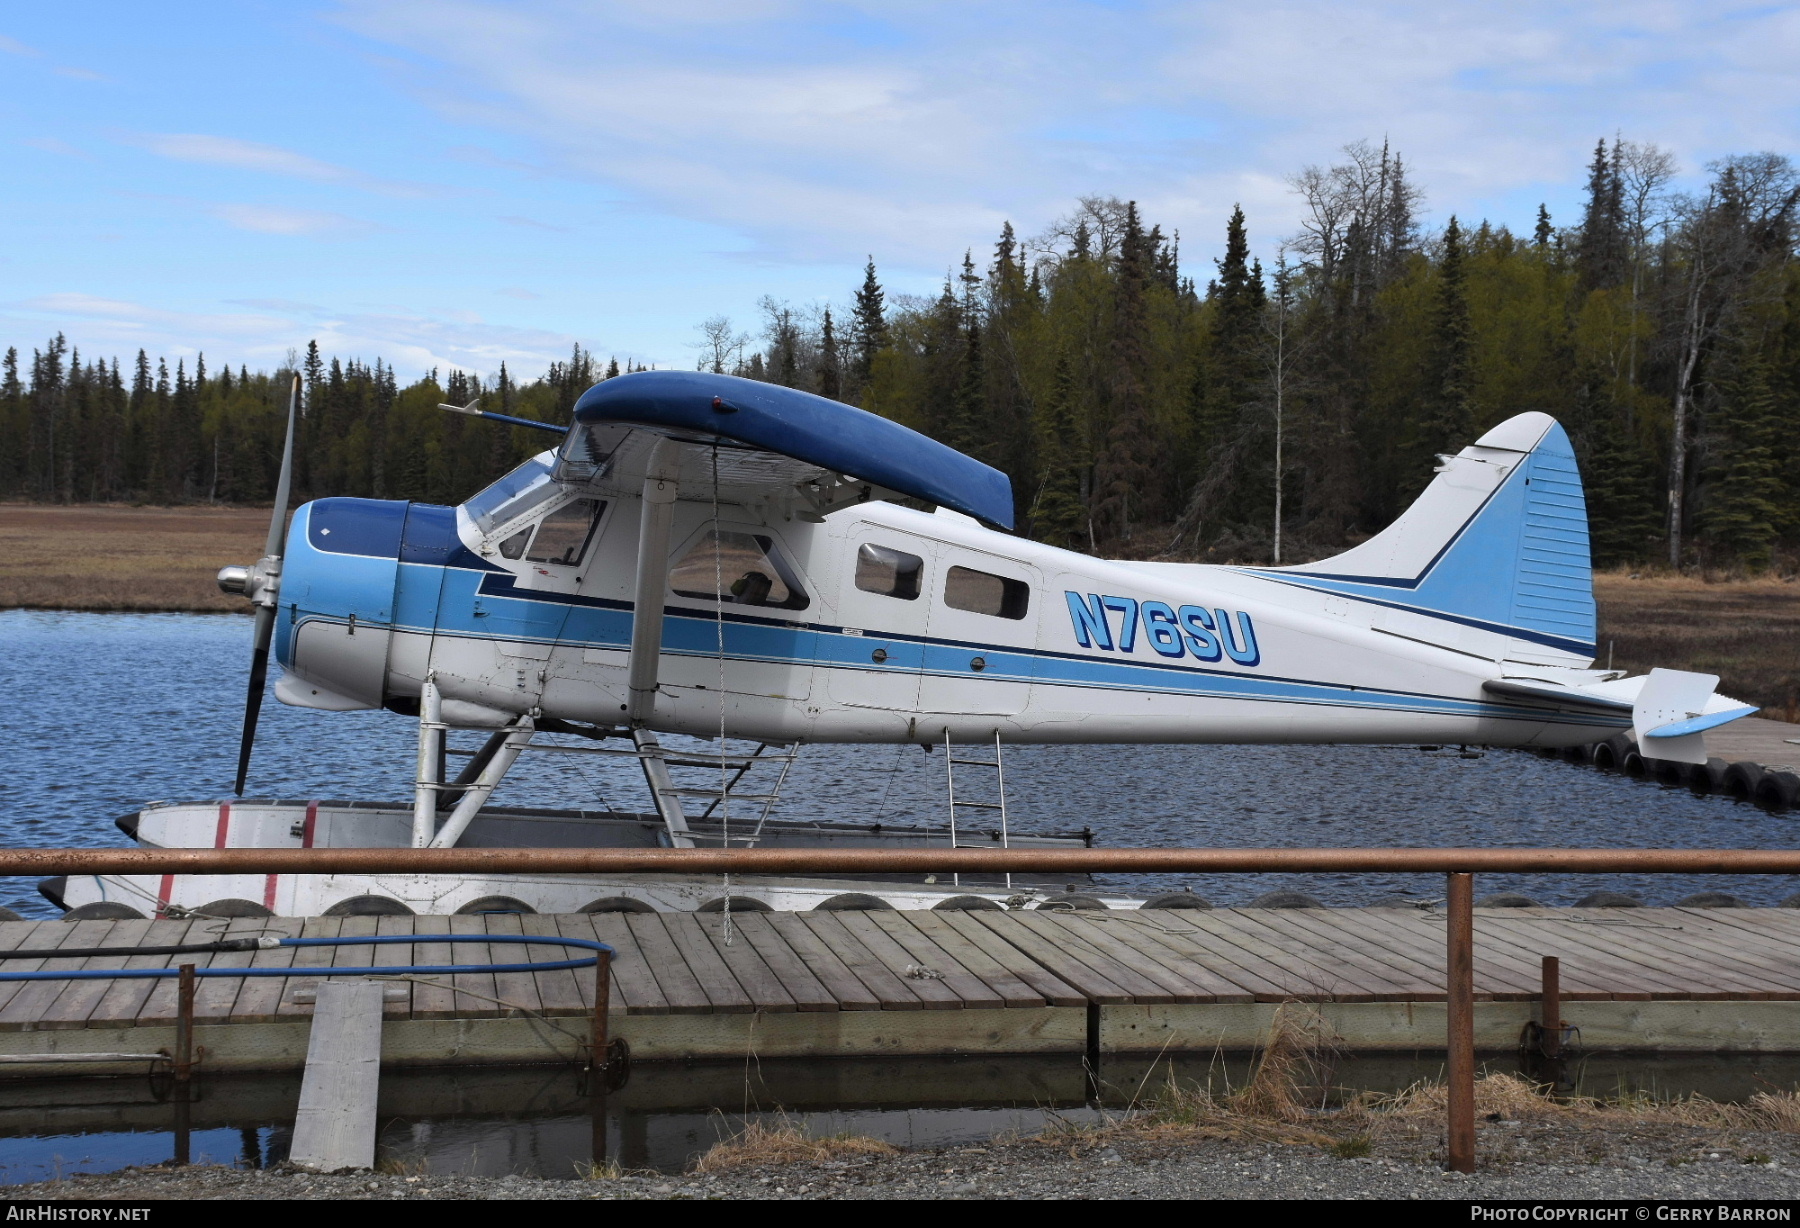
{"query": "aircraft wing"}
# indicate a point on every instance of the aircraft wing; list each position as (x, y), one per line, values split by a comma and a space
(764, 440)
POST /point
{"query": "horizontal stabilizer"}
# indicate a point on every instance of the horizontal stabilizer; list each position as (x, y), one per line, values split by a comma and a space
(1674, 708)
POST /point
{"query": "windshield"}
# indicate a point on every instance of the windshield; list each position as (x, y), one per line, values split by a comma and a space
(512, 496)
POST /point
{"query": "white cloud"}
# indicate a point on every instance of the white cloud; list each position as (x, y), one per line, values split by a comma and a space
(918, 128)
(412, 344)
(13, 46)
(285, 220)
(267, 159)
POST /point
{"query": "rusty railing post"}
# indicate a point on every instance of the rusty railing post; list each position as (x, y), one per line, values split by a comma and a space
(597, 1040)
(1460, 1021)
(184, 1025)
(1550, 1012)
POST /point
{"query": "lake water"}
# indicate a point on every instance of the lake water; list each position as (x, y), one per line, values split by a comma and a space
(106, 712)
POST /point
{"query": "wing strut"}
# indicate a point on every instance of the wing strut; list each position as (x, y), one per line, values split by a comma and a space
(652, 582)
(652, 585)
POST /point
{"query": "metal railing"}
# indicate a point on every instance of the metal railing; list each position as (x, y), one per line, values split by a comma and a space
(1458, 865)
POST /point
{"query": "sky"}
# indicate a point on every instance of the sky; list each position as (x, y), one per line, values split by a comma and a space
(464, 183)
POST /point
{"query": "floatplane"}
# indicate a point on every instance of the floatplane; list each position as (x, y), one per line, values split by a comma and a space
(735, 561)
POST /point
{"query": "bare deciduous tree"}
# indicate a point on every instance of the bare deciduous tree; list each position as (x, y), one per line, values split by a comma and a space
(720, 344)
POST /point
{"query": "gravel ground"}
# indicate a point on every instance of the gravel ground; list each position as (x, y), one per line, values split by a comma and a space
(1520, 1160)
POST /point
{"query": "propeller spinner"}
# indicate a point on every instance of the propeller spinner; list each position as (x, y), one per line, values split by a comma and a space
(261, 583)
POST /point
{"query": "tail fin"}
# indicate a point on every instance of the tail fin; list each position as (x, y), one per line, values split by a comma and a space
(1498, 543)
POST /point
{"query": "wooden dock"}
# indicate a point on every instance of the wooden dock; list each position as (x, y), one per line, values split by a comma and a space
(1756, 739)
(841, 984)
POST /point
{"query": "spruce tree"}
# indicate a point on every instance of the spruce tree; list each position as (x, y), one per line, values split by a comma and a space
(1540, 235)
(868, 326)
(1125, 469)
(1618, 476)
(1059, 516)
(1743, 493)
(1448, 424)
(1600, 253)
(830, 380)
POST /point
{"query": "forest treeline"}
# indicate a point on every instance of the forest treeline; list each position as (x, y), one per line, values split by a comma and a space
(1249, 413)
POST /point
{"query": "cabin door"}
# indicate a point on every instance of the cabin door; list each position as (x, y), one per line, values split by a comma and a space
(983, 629)
(884, 605)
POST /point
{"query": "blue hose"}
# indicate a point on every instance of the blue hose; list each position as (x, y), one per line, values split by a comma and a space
(133, 974)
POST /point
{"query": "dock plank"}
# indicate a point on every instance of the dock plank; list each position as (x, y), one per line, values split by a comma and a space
(1014, 990)
(1291, 973)
(1400, 976)
(755, 970)
(518, 990)
(717, 980)
(436, 999)
(27, 936)
(1191, 982)
(475, 991)
(939, 987)
(259, 1001)
(557, 990)
(30, 1001)
(1597, 948)
(123, 1002)
(1098, 980)
(634, 989)
(1147, 942)
(1052, 988)
(1502, 973)
(334, 1127)
(308, 957)
(680, 987)
(1061, 932)
(823, 962)
(893, 989)
(215, 997)
(802, 984)
(79, 999)
(1683, 946)
(1225, 959)
(974, 990)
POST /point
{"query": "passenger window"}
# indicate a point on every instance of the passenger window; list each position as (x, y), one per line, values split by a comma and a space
(892, 573)
(968, 589)
(740, 568)
(563, 535)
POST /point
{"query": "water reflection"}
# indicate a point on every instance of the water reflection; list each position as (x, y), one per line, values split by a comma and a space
(541, 1121)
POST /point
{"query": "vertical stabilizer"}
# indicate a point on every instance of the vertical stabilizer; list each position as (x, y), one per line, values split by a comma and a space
(1498, 542)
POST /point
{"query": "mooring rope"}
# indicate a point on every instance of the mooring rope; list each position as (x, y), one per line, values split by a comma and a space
(719, 630)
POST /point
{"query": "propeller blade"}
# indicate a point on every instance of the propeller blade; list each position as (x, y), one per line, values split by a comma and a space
(264, 632)
(259, 675)
(284, 483)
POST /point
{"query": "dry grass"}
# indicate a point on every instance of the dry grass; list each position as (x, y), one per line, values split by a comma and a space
(1284, 1102)
(758, 1144)
(115, 557)
(1747, 631)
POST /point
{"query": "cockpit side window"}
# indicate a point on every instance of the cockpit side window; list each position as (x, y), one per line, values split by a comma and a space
(740, 568)
(563, 536)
